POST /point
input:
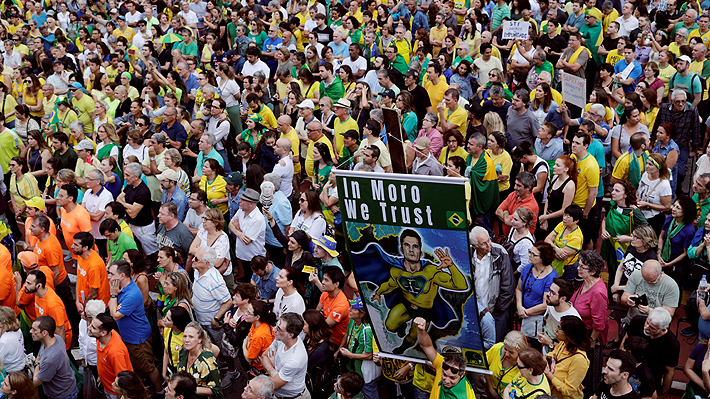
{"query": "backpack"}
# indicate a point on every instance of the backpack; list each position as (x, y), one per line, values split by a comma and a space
(689, 95)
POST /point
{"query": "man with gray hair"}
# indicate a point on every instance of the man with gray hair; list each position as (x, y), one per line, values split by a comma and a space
(210, 296)
(497, 103)
(690, 131)
(522, 124)
(95, 200)
(136, 199)
(521, 197)
(663, 349)
(261, 387)
(206, 144)
(494, 280)
(280, 210)
(286, 361)
(461, 54)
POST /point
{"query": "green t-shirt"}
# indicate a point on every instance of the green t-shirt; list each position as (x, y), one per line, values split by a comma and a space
(359, 340)
(335, 90)
(190, 49)
(123, 244)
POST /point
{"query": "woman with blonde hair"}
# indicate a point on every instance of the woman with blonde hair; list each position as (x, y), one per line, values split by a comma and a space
(520, 241)
(197, 359)
(493, 122)
(102, 115)
(495, 75)
(655, 194)
(502, 362)
(500, 156)
(12, 358)
(109, 144)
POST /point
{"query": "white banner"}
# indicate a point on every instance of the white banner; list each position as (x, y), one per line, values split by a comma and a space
(574, 89)
(516, 30)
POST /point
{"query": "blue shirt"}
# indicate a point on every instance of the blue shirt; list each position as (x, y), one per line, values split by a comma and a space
(281, 210)
(343, 50)
(551, 151)
(267, 284)
(272, 44)
(179, 198)
(664, 150)
(133, 326)
(176, 132)
(419, 20)
(40, 19)
(681, 241)
(534, 289)
(233, 205)
(635, 73)
(190, 83)
(575, 21)
(596, 148)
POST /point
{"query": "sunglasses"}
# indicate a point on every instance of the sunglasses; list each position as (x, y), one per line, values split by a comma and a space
(453, 369)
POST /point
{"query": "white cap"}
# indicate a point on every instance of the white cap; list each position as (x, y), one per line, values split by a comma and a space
(306, 104)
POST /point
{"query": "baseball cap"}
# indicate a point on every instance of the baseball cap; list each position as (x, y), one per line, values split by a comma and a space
(169, 174)
(35, 202)
(76, 85)
(85, 144)
(411, 73)
(28, 259)
(306, 104)
(234, 178)
(352, 133)
(422, 143)
(357, 303)
(388, 93)
(684, 58)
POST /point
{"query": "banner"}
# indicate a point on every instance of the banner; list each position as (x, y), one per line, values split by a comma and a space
(516, 30)
(407, 240)
(574, 89)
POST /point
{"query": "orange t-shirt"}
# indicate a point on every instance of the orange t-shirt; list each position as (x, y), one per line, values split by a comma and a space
(7, 289)
(338, 309)
(32, 240)
(111, 360)
(49, 253)
(27, 301)
(6, 259)
(52, 305)
(259, 341)
(74, 222)
(91, 273)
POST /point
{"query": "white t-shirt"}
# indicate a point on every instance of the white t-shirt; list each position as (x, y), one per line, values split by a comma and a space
(286, 174)
(288, 304)
(517, 56)
(703, 165)
(359, 64)
(193, 220)
(552, 318)
(190, 17)
(314, 226)
(543, 168)
(651, 192)
(97, 203)
(12, 351)
(292, 365)
(377, 167)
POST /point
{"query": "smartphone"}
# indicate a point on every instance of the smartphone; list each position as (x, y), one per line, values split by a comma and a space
(131, 51)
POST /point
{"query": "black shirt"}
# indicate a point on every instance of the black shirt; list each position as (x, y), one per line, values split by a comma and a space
(604, 392)
(556, 44)
(609, 43)
(139, 195)
(421, 102)
(68, 159)
(642, 381)
(662, 352)
(324, 35)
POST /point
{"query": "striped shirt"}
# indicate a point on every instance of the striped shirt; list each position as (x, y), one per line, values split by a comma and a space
(209, 292)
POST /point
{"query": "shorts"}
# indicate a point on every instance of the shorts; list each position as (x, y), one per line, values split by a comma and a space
(590, 227)
(142, 356)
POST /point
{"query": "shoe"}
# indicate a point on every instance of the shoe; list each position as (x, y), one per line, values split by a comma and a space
(688, 331)
(228, 378)
(612, 345)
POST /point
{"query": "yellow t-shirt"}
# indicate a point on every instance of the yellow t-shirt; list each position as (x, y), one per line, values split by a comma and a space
(267, 116)
(500, 377)
(588, 176)
(621, 168)
(340, 128)
(520, 387)
(572, 240)
(436, 92)
(458, 117)
(705, 37)
(438, 363)
(216, 190)
(613, 15)
(437, 33)
(83, 107)
(506, 164)
(613, 57)
(446, 154)
(292, 136)
(665, 75)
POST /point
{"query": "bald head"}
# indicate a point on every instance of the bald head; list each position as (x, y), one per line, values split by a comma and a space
(699, 52)
(284, 123)
(650, 271)
(314, 130)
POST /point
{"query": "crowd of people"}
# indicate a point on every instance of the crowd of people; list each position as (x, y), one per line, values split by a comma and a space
(179, 158)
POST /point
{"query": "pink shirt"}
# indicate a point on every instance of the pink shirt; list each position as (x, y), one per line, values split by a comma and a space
(437, 143)
(590, 309)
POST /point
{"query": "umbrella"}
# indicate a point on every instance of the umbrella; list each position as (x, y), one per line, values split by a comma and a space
(171, 38)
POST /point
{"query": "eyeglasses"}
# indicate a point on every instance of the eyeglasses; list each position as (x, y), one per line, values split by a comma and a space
(453, 369)
(533, 254)
(301, 200)
(140, 124)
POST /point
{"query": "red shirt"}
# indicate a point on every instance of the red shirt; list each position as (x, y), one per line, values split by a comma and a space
(513, 202)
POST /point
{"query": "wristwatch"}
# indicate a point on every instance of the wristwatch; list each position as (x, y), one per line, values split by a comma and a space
(152, 158)
(217, 319)
(114, 296)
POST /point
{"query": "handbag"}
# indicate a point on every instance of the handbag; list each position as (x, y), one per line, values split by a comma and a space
(91, 391)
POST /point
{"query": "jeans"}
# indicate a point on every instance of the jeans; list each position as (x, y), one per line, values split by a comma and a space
(488, 330)
(74, 395)
(419, 394)
(227, 167)
(683, 155)
(369, 390)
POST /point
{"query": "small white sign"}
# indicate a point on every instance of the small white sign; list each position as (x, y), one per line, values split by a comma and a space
(516, 30)
(574, 89)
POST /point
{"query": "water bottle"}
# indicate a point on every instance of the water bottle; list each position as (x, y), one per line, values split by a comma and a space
(702, 288)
